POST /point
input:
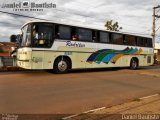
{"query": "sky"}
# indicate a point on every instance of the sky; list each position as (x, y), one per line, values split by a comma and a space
(134, 16)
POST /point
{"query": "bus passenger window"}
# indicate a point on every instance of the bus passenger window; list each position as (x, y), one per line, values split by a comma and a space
(94, 39)
(85, 35)
(56, 31)
(130, 40)
(149, 42)
(140, 42)
(145, 42)
(64, 32)
(117, 38)
(104, 37)
(94, 36)
(75, 37)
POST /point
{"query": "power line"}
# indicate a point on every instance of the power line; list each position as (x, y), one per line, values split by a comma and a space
(40, 18)
(157, 11)
(23, 15)
(157, 28)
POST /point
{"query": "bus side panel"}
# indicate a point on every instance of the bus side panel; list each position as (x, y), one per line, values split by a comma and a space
(37, 59)
(49, 58)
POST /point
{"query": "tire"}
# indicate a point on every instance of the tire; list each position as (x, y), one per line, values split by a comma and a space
(133, 64)
(61, 65)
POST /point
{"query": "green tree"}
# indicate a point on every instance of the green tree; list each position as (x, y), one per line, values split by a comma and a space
(13, 38)
(1, 50)
(112, 26)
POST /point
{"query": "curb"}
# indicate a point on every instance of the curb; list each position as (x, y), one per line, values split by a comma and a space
(101, 108)
(89, 111)
(154, 95)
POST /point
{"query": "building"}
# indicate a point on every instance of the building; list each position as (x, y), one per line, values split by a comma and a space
(6, 49)
(157, 53)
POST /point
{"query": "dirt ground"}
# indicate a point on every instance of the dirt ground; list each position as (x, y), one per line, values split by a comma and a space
(115, 92)
(147, 108)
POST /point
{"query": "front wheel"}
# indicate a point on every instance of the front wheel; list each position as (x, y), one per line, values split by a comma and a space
(134, 64)
(61, 65)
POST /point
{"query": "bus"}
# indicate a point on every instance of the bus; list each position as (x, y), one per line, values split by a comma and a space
(62, 47)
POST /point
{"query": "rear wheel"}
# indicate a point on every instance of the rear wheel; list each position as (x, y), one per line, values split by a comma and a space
(134, 64)
(61, 65)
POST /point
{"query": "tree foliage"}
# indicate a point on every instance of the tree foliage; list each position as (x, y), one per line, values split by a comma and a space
(1, 50)
(13, 38)
(112, 26)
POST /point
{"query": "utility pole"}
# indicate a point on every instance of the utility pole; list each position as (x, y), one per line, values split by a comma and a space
(154, 23)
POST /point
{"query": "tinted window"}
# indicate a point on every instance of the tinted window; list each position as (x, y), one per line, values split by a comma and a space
(149, 42)
(42, 35)
(130, 40)
(64, 32)
(140, 41)
(94, 36)
(145, 42)
(117, 38)
(104, 37)
(85, 35)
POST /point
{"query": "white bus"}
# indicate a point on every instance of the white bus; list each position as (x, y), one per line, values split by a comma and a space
(62, 47)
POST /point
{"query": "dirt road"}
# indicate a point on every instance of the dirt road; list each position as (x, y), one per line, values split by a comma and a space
(42, 92)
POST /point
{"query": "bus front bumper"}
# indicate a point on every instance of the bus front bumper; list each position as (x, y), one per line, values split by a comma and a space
(26, 64)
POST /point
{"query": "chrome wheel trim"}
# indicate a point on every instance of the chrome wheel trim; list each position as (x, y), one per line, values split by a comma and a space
(62, 66)
(134, 64)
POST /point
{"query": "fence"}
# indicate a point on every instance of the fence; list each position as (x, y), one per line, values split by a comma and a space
(7, 61)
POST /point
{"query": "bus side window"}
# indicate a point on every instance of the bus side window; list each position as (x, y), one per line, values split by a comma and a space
(56, 31)
(117, 38)
(145, 42)
(149, 42)
(64, 32)
(98, 36)
(140, 42)
(74, 35)
(104, 37)
(84, 34)
(130, 40)
(94, 36)
(125, 40)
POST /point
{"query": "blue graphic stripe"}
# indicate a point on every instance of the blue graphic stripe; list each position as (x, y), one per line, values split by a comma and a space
(94, 55)
(107, 58)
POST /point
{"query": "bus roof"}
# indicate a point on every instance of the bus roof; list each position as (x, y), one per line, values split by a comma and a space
(81, 26)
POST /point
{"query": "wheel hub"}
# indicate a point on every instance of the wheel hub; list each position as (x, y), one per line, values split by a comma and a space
(62, 65)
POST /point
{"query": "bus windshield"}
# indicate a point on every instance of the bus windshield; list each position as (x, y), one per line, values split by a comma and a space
(26, 36)
(42, 35)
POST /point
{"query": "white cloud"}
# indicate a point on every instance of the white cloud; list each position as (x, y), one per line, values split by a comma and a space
(133, 16)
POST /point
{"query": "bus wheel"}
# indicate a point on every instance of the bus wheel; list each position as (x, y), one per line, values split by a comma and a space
(134, 64)
(61, 65)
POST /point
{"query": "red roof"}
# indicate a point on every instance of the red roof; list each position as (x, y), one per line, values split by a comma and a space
(6, 47)
(4, 54)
